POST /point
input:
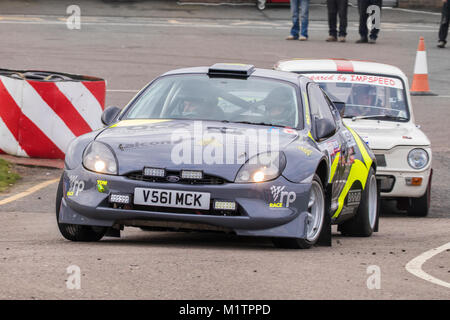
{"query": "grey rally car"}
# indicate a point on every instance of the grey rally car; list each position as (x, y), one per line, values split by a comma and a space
(228, 148)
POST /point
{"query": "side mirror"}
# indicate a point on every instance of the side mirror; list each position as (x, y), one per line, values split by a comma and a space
(324, 128)
(340, 106)
(109, 115)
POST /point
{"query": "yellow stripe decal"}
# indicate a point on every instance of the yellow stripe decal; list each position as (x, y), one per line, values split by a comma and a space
(362, 148)
(358, 172)
(308, 117)
(334, 166)
(137, 122)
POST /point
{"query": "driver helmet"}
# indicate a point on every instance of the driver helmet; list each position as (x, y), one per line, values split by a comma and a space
(196, 100)
(365, 95)
(279, 104)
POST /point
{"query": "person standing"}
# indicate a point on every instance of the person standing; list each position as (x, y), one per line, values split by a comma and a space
(335, 8)
(303, 7)
(443, 29)
(367, 37)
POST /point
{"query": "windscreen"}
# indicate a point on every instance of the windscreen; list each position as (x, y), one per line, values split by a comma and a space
(366, 96)
(252, 100)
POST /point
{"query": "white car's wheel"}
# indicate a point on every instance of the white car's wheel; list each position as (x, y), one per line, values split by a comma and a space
(419, 207)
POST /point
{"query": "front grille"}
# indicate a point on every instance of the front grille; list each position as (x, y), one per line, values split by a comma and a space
(386, 183)
(207, 179)
(210, 212)
(381, 160)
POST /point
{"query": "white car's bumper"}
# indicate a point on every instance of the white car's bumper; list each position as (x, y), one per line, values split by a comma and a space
(397, 178)
(398, 184)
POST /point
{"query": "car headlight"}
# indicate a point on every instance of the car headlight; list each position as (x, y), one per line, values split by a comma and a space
(100, 158)
(263, 167)
(418, 158)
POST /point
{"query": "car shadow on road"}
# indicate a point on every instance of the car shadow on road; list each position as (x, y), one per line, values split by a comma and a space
(389, 209)
(183, 240)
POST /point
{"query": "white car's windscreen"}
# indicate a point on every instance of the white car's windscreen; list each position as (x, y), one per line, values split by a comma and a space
(199, 97)
(365, 95)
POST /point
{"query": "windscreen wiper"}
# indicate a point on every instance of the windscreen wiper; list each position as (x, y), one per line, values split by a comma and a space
(255, 123)
(382, 116)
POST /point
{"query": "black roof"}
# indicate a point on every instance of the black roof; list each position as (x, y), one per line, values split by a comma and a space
(267, 73)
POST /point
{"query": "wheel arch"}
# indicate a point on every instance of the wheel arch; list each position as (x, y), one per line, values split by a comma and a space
(323, 172)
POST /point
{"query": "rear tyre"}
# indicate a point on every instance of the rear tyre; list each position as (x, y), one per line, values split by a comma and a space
(419, 207)
(76, 232)
(315, 221)
(363, 223)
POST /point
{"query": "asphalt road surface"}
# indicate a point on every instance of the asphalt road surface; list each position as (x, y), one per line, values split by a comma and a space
(129, 45)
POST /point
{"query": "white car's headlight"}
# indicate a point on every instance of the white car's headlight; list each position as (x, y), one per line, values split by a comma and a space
(263, 167)
(100, 158)
(418, 158)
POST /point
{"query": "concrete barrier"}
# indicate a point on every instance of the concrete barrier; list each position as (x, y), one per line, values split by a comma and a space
(41, 112)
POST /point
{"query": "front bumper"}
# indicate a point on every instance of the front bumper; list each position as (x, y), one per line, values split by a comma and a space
(89, 206)
(400, 188)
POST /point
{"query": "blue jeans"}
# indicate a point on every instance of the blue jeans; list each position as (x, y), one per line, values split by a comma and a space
(303, 5)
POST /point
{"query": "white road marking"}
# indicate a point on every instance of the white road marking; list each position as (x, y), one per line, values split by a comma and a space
(201, 23)
(28, 192)
(415, 265)
(414, 11)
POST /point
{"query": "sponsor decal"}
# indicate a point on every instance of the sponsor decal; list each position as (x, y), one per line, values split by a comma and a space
(305, 150)
(349, 138)
(137, 122)
(307, 115)
(354, 197)
(289, 131)
(332, 147)
(137, 145)
(75, 186)
(212, 141)
(212, 145)
(365, 139)
(102, 186)
(281, 198)
(357, 78)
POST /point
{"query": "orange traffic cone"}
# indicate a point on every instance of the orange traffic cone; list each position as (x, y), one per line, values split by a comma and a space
(420, 85)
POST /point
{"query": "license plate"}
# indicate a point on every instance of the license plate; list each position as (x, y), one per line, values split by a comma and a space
(171, 198)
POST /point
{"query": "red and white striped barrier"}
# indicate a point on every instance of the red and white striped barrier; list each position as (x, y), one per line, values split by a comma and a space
(39, 117)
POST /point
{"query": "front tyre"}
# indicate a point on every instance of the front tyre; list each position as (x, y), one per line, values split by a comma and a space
(76, 232)
(419, 207)
(314, 222)
(363, 223)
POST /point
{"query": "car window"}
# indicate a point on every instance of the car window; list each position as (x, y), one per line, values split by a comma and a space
(254, 100)
(318, 103)
(366, 95)
(334, 111)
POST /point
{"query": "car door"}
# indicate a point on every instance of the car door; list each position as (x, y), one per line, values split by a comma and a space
(334, 146)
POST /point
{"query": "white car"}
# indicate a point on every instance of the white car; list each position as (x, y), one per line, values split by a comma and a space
(375, 102)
